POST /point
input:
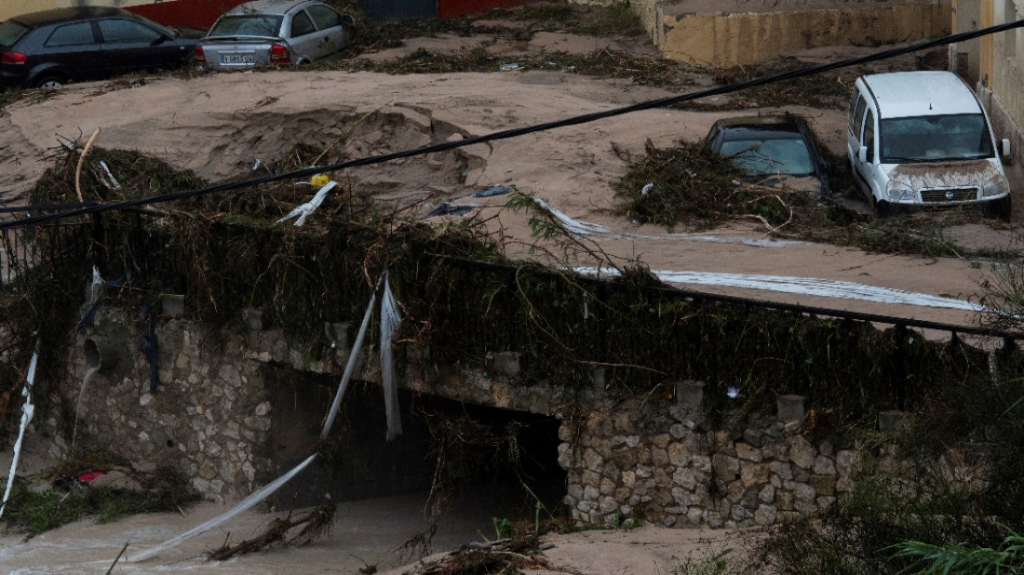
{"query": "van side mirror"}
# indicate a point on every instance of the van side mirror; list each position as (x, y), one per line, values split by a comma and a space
(862, 154)
(347, 20)
(1006, 147)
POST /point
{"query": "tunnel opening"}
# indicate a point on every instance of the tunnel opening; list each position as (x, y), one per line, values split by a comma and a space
(453, 453)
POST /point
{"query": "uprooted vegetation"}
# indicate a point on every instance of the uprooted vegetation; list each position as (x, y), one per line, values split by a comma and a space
(523, 22)
(693, 187)
(77, 489)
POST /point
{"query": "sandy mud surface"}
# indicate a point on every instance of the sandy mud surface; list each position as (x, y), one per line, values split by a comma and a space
(219, 125)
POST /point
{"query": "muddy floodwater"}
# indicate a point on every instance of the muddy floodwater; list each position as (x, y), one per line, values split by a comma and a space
(366, 533)
(373, 533)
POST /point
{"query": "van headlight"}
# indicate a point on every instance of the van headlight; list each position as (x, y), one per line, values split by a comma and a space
(995, 186)
(900, 193)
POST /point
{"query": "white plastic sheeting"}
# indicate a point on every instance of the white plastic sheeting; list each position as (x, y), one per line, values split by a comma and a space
(807, 286)
(349, 368)
(267, 491)
(302, 212)
(390, 320)
(572, 226)
(247, 504)
(27, 411)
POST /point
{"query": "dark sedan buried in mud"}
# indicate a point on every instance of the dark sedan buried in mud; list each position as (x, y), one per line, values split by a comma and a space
(776, 150)
(54, 47)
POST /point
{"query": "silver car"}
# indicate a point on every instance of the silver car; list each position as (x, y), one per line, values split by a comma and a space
(273, 32)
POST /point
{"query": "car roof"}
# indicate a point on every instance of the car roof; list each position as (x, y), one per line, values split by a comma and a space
(58, 15)
(268, 7)
(922, 93)
(760, 128)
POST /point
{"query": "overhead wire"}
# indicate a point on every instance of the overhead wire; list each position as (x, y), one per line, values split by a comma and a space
(94, 208)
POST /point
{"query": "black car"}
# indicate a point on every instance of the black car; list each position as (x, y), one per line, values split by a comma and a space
(779, 149)
(54, 47)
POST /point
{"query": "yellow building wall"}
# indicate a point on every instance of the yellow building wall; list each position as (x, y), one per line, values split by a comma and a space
(740, 39)
(1002, 64)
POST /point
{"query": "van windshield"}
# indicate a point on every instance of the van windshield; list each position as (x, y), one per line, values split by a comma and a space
(935, 138)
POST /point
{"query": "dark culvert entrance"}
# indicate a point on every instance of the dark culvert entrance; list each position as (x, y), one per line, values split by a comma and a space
(496, 460)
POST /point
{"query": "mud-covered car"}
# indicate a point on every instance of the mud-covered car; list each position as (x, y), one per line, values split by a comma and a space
(54, 47)
(923, 139)
(778, 150)
(273, 32)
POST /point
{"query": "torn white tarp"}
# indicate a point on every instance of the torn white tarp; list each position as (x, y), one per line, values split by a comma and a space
(27, 411)
(390, 320)
(97, 285)
(267, 491)
(808, 286)
(245, 505)
(349, 367)
(112, 183)
(572, 226)
(303, 211)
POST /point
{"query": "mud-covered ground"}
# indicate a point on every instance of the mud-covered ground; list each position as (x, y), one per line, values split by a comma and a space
(222, 125)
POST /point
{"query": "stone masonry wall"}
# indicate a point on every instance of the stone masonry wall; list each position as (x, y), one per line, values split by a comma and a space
(207, 420)
(656, 460)
(626, 460)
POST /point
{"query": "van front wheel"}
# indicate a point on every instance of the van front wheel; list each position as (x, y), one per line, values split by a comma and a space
(883, 209)
(1000, 208)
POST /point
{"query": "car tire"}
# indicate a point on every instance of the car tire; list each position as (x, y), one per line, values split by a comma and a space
(52, 81)
(883, 209)
(1000, 208)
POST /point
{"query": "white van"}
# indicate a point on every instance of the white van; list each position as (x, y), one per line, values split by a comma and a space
(923, 139)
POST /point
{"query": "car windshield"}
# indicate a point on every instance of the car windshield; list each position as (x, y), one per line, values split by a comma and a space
(932, 138)
(247, 25)
(770, 156)
(11, 32)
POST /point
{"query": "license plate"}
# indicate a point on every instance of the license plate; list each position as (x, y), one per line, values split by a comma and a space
(237, 59)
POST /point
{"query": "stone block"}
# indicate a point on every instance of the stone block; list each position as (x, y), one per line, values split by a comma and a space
(173, 305)
(824, 465)
(892, 421)
(678, 455)
(801, 452)
(748, 452)
(690, 395)
(754, 474)
(338, 333)
(765, 515)
(823, 485)
(726, 467)
(253, 319)
(804, 492)
(754, 437)
(684, 478)
(791, 407)
(506, 363)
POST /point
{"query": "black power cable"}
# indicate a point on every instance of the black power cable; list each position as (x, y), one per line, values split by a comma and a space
(515, 132)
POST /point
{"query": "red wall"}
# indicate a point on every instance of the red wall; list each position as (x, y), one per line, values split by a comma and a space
(186, 13)
(450, 8)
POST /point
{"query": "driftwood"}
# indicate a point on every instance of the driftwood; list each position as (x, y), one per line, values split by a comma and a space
(315, 524)
(505, 557)
(81, 161)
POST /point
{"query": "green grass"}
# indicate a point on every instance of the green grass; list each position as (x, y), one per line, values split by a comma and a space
(34, 512)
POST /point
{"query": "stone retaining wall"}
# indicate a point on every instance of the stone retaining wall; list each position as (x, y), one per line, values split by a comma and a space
(214, 420)
(208, 419)
(627, 460)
